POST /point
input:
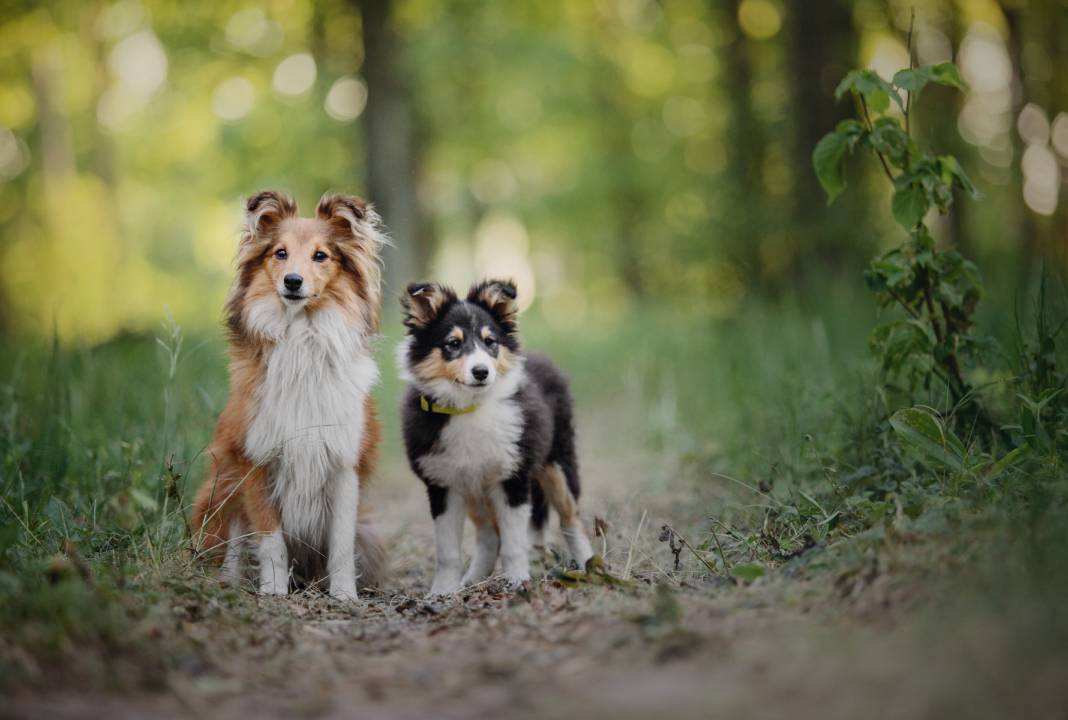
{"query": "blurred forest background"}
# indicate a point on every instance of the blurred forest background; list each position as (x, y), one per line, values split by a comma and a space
(600, 152)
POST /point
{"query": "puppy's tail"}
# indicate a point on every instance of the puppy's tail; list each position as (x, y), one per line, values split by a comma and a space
(372, 559)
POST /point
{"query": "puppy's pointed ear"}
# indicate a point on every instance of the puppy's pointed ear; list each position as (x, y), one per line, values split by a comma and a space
(423, 302)
(263, 212)
(499, 298)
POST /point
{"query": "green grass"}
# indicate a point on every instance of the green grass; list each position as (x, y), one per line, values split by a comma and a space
(773, 419)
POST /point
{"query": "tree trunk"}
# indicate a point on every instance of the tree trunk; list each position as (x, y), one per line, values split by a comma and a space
(391, 139)
(822, 48)
(745, 151)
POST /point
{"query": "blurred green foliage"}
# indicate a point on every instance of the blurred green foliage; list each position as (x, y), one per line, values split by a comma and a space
(599, 152)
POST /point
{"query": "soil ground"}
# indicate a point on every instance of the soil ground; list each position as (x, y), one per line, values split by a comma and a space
(889, 642)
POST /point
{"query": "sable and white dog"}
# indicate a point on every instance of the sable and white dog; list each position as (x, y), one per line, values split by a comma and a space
(488, 429)
(298, 436)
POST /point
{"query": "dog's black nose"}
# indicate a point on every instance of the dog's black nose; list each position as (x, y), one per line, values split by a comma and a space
(480, 372)
(293, 281)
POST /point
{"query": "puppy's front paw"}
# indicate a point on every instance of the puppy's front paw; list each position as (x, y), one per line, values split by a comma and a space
(517, 581)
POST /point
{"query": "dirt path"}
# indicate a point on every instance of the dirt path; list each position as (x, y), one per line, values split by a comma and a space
(700, 650)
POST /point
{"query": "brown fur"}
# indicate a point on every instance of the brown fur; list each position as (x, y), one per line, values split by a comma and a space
(346, 229)
(435, 367)
(422, 302)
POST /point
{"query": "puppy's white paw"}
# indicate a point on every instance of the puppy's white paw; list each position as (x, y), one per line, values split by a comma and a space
(517, 581)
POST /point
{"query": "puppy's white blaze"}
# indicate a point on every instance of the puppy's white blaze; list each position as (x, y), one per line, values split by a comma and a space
(235, 550)
(515, 544)
(274, 564)
(307, 416)
(341, 559)
(475, 359)
(487, 544)
(448, 541)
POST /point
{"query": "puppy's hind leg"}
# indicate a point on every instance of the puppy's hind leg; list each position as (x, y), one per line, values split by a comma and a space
(539, 517)
(558, 490)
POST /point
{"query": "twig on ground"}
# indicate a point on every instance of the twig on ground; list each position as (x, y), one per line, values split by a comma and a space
(669, 535)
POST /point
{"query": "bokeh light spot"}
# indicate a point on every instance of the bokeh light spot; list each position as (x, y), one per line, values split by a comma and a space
(346, 99)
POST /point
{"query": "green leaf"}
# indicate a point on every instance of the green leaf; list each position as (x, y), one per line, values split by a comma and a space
(1007, 461)
(924, 432)
(887, 137)
(916, 79)
(748, 571)
(875, 91)
(909, 205)
(827, 162)
(953, 174)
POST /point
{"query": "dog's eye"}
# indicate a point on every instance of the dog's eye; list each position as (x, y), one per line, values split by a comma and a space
(453, 343)
(319, 256)
(491, 342)
(281, 254)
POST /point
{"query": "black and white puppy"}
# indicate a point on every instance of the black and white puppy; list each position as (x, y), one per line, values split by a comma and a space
(489, 429)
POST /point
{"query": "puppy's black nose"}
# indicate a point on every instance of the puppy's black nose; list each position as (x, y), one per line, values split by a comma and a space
(293, 281)
(480, 372)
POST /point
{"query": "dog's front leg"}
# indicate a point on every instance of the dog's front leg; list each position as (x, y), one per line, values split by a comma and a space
(341, 555)
(267, 524)
(448, 539)
(511, 504)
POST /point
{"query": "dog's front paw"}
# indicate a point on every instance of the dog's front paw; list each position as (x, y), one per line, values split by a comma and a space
(444, 586)
(343, 592)
(273, 588)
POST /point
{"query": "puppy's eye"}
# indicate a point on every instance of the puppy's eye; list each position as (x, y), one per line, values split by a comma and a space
(319, 256)
(491, 342)
(281, 254)
(453, 343)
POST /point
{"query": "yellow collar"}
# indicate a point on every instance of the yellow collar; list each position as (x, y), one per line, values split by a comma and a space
(430, 407)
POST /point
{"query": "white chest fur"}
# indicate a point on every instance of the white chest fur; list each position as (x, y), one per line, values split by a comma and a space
(478, 448)
(307, 419)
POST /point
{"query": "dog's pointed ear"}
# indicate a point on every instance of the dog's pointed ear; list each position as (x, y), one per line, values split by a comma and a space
(264, 210)
(423, 302)
(499, 298)
(348, 213)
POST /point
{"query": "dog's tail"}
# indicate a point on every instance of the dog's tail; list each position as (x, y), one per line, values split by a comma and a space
(372, 559)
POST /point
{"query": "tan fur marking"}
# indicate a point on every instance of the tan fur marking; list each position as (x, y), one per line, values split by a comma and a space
(481, 513)
(436, 367)
(422, 304)
(505, 360)
(559, 495)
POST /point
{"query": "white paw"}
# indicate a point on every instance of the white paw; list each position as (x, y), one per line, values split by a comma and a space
(446, 586)
(515, 581)
(343, 592)
(273, 588)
